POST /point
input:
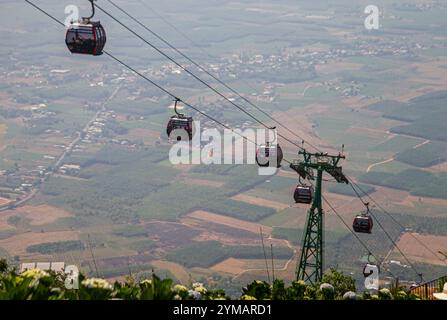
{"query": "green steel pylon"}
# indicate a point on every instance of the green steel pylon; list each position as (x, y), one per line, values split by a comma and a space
(311, 264)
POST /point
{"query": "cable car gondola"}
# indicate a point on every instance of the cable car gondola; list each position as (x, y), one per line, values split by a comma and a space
(363, 223)
(268, 151)
(86, 36)
(180, 124)
(303, 194)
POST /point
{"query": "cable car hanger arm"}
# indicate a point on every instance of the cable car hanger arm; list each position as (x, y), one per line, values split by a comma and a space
(93, 11)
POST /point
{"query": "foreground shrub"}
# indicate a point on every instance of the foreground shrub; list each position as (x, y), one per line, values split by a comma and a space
(41, 285)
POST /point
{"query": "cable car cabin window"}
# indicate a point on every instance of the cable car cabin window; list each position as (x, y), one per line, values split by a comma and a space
(264, 153)
(178, 123)
(86, 38)
(362, 224)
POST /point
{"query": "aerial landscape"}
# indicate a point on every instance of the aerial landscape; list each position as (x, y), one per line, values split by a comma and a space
(86, 177)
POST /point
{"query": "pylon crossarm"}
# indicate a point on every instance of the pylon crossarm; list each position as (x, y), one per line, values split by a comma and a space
(311, 264)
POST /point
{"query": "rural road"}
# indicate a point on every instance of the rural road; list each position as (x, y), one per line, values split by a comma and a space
(66, 152)
(286, 266)
(378, 164)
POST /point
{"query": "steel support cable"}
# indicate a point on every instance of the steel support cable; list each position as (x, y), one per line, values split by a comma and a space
(155, 84)
(363, 244)
(346, 225)
(353, 183)
(187, 104)
(207, 72)
(354, 234)
(161, 52)
(392, 218)
(389, 236)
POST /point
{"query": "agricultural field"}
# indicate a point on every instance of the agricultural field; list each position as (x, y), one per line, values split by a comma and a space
(84, 149)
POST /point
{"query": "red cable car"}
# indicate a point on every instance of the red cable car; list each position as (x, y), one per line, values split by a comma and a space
(265, 152)
(362, 224)
(179, 125)
(304, 194)
(85, 36)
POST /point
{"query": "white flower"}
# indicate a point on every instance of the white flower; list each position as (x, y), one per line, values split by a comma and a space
(194, 294)
(180, 288)
(146, 282)
(96, 283)
(247, 297)
(385, 293)
(36, 275)
(202, 290)
(327, 286)
(350, 296)
(197, 284)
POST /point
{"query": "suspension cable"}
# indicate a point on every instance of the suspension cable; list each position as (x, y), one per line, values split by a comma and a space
(388, 235)
(214, 90)
(194, 75)
(212, 118)
(354, 234)
(353, 183)
(157, 85)
(206, 71)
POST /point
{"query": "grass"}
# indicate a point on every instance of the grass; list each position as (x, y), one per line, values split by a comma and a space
(207, 253)
(397, 144)
(295, 235)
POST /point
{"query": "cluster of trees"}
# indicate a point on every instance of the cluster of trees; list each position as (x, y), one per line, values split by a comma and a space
(54, 247)
(417, 182)
(113, 128)
(119, 155)
(130, 231)
(139, 108)
(41, 285)
(12, 113)
(426, 115)
(208, 253)
(429, 154)
(347, 190)
(138, 184)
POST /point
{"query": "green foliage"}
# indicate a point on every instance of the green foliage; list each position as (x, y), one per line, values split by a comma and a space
(12, 113)
(427, 155)
(3, 265)
(346, 190)
(430, 126)
(339, 281)
(208, 253)
(41, 285)
(258, 289)
(142, 245)
(295, 235)
(130, 231)
(112, 128)
(238, 209)
(426, 114)
(119, 192)
(442, 281)
(417, 182)
(54, 247)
